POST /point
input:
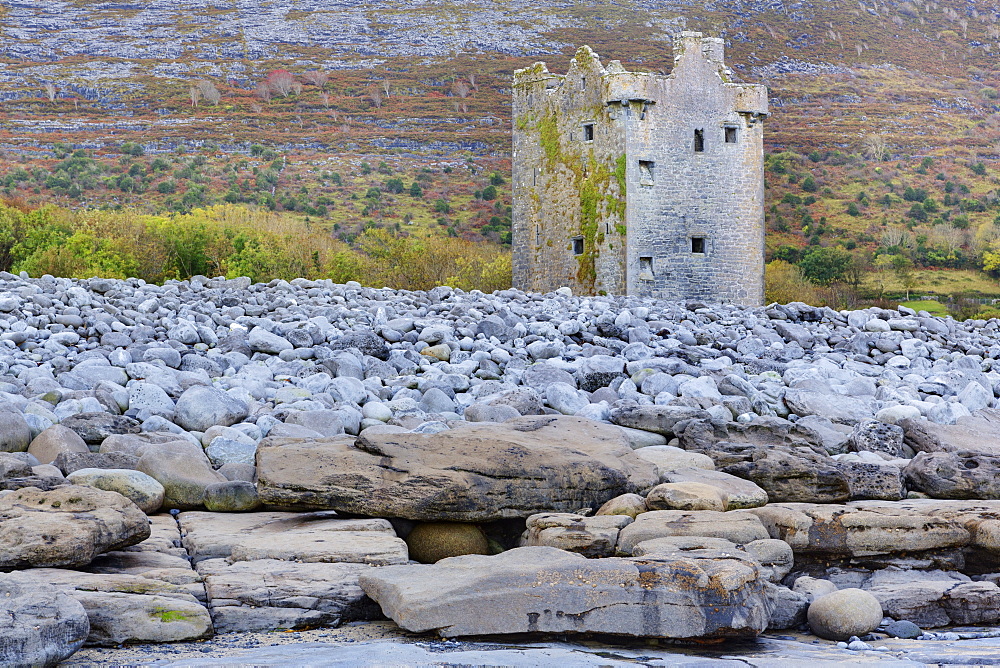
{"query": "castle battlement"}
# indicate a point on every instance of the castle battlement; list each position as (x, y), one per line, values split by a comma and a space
(640, 183)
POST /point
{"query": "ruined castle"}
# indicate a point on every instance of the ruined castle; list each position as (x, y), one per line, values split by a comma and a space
(632, 183)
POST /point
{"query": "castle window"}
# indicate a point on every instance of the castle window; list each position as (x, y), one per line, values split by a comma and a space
(730, 134)
(583, 83)
(588, 132)
(646, 269)
(538, 235)
(699, 141)
(698, 245)
(646, 172)
(577, 245)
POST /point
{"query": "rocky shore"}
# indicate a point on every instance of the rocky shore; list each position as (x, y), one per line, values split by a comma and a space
(213, 457)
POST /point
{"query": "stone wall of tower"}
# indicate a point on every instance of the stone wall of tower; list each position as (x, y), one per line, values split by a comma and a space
(567, 181)
(611, 194)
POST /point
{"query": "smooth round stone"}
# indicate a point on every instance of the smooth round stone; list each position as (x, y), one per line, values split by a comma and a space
(626, 504)
(432, 541)
(844, 613)
(685, 496)
(55, 441)
(376, 410)
(232, 496)
(903, 629)
(202, 407)
(143, 490)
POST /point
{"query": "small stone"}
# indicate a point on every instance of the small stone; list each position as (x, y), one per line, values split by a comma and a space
(903, 629)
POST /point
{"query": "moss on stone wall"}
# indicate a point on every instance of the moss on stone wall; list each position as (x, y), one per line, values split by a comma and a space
(593, 182)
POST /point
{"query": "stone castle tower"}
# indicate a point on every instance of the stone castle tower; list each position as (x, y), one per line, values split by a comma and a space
(640, 184)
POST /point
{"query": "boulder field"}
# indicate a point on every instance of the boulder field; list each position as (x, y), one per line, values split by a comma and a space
(211, 456)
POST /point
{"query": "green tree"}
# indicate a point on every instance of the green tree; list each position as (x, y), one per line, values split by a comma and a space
(824, 265)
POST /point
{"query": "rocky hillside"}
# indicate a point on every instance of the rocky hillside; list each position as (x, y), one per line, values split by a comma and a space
(884, 137)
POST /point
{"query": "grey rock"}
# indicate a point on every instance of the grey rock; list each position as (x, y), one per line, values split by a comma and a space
(42, 626)
(15, 434)
(583, 595)
(202, 407)
(875, 436)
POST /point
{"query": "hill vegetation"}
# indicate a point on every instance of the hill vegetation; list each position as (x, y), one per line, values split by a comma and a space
(883, 168)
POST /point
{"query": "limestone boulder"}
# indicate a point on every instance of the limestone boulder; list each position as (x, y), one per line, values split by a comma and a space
(935, 598)
(94, 427)
(307, 537)
(183, 470)
(15, 434)
(590, 536)
(793, 474)
(844, 613)
(979, 432)
(547, 590)
(669, 458)
(685, 496)
(130, 608)
(665, 420)
(962, 474)
(136, 486)
(738, 527)
(735, 492)
(269, 594)
(430, 542)
(201, 407)
(833, 530)
(54, 441)
(626, 504)
(39, 624)
(872, 480)
(472, 473)
(834, 407)
(65, 526)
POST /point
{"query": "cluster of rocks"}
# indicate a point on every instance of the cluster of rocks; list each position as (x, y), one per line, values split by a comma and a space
(475, 464)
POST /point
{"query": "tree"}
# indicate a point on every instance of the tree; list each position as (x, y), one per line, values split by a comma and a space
(903, 268)
(263, 92)
(375, 95)
(50, 91)
(280, 81)
(823, 265)
(875, 146)
(317, 78)
(208, 91)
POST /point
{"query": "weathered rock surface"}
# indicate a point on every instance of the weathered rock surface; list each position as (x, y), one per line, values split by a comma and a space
(546, 590)
(39, 624)
(590, 536)
(737, 527)
(961, 474)
(474, 473)
(65, 526)
(307, 537)
(429, 542)
(855, 531)
(791, 475)
(270, 594)
(135, 486)
(130, 608)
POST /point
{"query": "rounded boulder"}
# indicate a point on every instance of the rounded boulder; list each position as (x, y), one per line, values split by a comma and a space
(430, 542)
(844, 613)
(143, 490)
(201, 407)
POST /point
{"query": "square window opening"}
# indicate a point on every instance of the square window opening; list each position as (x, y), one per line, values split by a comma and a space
(699, 141)
(577, 245)
(588, 132)
(698, 245)
(646, 268)
(730, 134)
(646, 172)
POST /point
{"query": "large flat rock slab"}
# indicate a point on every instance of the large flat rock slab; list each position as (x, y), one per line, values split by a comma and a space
(547, 590)
(65, 526)
(309, 537)
(130, 608)
(979, 433)
(860, 529)
(473, 473)
(269, 594)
